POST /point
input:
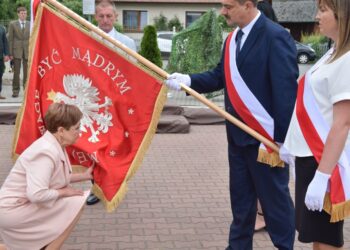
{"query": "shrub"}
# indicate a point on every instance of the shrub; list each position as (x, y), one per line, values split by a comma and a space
(317, 41)
(149, 46)
(119, 27)
(198, 47)
(313, 38)
(175, 22)
(161, 22)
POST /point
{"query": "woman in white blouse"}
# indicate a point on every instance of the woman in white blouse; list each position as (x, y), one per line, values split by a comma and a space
(318, 135)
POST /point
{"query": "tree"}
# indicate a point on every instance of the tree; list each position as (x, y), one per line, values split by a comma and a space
(149, 46)
(175, 22)
(74, 5)
(8, 9)
(161, 23)
(24, 3)
(119, 27)
(197, 48)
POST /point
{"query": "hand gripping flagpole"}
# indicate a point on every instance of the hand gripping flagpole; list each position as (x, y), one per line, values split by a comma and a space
(164, 74)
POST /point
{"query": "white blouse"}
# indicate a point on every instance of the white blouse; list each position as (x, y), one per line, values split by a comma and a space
(330, 83)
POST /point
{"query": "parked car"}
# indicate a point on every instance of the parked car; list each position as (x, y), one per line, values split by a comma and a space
(164, 40)
(305, 53)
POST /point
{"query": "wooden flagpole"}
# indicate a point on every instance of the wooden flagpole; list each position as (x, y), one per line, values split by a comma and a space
(163, 74)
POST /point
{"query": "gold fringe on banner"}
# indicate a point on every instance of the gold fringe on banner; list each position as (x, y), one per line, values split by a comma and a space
(273, 159)
(119, 196)
(338, 211)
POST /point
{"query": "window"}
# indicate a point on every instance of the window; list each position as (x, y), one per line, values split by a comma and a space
(192, 16)
(134, 20)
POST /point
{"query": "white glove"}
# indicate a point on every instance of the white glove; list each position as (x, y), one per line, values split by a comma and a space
(316, 191)
(175, 79)
(286, 156)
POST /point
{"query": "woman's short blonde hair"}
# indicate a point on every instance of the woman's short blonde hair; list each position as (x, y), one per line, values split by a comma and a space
(61, 115)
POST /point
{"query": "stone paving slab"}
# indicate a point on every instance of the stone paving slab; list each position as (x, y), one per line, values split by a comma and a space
(178, 199)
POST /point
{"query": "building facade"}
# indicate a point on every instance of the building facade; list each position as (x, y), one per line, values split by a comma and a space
(298, 16)
(136, 14)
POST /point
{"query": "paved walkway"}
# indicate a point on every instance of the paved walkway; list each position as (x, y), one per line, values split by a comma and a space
(178, 199)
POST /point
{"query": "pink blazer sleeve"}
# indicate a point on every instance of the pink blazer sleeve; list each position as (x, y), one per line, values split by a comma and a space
(39, 172)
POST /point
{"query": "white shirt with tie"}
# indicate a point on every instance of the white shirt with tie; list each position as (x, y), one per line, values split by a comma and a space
(22, 24)
(246, 30)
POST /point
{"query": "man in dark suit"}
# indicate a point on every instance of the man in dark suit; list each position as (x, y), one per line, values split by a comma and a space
(262, 56)
(18, 36)
(4, 55)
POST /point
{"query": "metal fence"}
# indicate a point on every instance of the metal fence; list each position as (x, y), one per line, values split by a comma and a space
(180, 98)
(5, 23)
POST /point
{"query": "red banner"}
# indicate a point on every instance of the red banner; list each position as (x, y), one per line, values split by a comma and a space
(121, 103)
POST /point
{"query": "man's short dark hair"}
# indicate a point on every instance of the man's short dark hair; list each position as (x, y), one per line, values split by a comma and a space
(21, 8)
(255, 2)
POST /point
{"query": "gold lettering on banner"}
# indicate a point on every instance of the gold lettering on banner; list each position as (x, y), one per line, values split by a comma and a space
(93, 157)
(37, 108)
(108, 67)
(80, 156)
(102, 61)
(46, 64)
(83, 157)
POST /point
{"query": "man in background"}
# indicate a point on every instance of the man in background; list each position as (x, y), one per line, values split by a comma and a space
(4, 55)
(265, 7)
(18, 37)
(106, 16)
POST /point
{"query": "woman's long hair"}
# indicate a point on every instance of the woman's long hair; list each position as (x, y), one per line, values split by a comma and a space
(341, 10)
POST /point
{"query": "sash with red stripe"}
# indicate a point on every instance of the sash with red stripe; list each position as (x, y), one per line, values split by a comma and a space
(242, 99)
(315, 131)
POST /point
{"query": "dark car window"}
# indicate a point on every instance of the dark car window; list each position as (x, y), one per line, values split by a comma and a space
(166, 36)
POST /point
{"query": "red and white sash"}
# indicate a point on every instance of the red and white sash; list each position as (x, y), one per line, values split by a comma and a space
(242, 99)
(315, 130)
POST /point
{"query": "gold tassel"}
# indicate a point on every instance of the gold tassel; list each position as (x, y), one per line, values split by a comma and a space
(273, 159)
(338, 211)
(114, 203)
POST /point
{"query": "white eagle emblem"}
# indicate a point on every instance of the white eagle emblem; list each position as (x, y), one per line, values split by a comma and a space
(82, 94)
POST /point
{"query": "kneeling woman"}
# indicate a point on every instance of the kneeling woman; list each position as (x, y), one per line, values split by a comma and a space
(38, 207)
